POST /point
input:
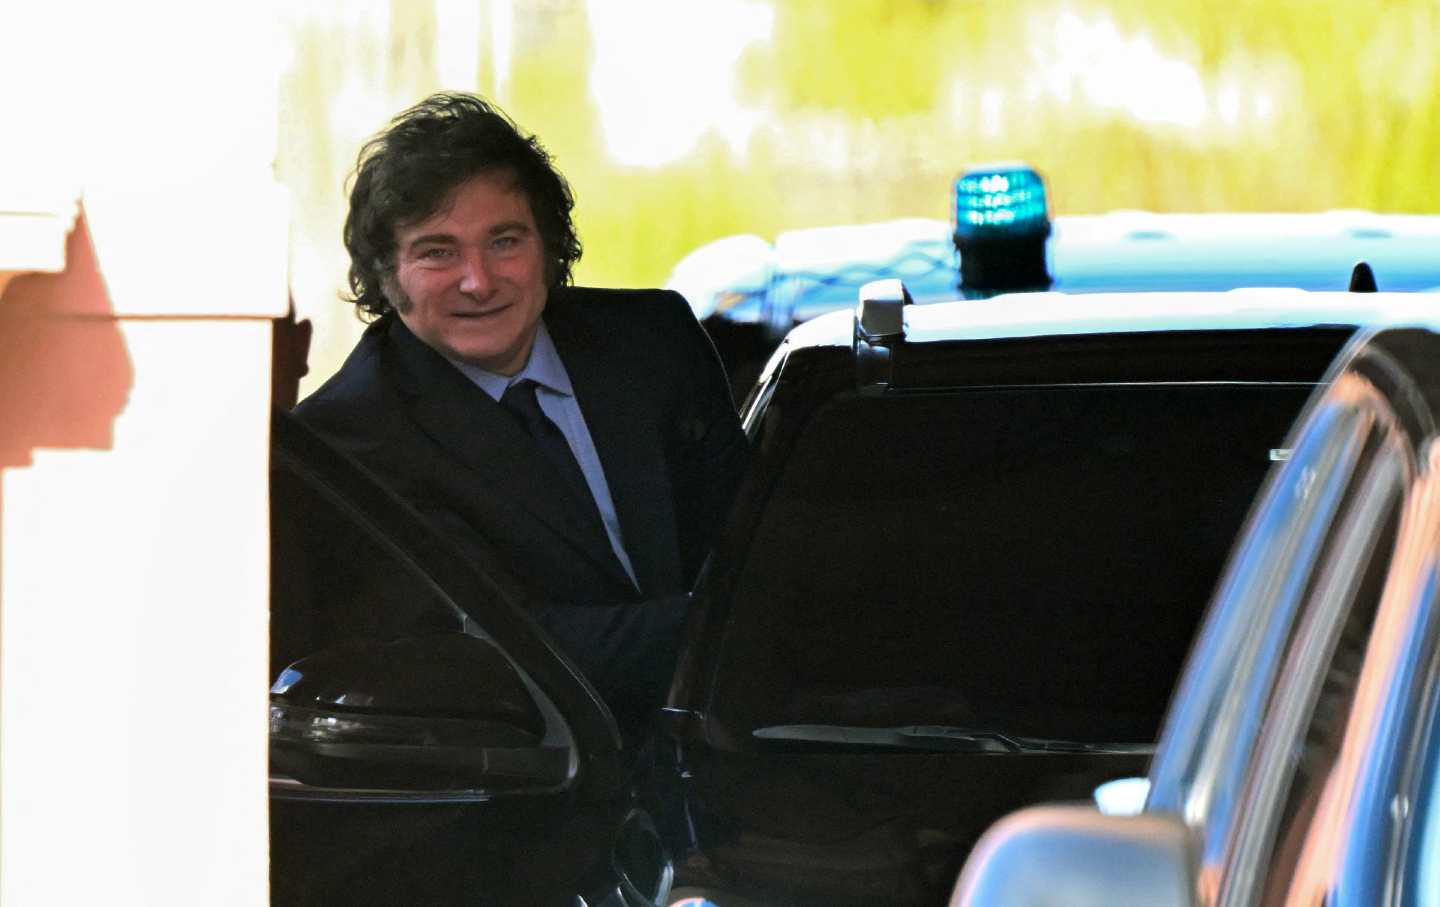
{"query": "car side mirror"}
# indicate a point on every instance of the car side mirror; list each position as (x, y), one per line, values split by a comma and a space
(441, 714)
(1074, 856)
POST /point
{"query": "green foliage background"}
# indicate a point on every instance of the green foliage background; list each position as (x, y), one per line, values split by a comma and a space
(895, 86)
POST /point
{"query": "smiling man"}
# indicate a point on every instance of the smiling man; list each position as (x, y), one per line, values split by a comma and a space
(585, 436)
(469, 280)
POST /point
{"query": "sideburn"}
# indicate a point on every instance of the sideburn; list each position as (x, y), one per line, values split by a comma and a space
(390, 287)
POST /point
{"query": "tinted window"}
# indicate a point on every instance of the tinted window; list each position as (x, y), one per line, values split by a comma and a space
(333, 578)
(1034, 560)
(1308, 719)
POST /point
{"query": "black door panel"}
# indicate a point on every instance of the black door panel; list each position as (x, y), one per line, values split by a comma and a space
(355, 571)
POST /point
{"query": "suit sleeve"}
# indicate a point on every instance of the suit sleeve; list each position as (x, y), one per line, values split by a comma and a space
(627, 651)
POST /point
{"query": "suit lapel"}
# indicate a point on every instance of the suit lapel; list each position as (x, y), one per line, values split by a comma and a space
(627, 437)
(473, 429)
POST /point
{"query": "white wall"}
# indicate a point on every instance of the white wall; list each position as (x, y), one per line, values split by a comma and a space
(133, 449)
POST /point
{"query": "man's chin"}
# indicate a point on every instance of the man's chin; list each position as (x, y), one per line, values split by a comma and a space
(495, 361)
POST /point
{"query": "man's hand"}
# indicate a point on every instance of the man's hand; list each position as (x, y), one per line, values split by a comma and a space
(626, 651)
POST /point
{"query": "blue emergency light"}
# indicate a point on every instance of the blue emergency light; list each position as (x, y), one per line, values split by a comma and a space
(1000, 200)
(1001, 224)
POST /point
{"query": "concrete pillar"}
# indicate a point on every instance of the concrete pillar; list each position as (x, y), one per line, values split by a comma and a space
(143, 254)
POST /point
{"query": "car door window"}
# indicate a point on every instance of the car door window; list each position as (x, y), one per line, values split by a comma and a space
(333, 578)
(1356, 821)
(1306, 722)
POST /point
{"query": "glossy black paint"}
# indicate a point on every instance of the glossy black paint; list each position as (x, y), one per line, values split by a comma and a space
(438, 713)
(805, 823)
(448, 676)
(352, 564)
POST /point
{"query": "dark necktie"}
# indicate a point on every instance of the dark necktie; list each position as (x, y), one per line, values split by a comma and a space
(519, 400)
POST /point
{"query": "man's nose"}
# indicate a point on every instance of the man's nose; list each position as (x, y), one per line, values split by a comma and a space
(475, 279)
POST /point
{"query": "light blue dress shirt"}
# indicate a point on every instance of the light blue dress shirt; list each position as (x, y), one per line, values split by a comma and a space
(557, 400)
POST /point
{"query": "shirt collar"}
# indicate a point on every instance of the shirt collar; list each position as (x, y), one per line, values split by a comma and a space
(544, 368)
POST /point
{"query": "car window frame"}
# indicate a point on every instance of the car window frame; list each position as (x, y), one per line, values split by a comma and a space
(1362, 831)
(1328, 604)
(1357, 839)
(1362, 836)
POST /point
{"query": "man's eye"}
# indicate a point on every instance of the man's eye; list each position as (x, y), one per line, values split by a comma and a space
(436, 254)
(505, 243)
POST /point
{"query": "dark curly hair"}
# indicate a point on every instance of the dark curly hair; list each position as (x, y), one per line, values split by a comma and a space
(405, 173)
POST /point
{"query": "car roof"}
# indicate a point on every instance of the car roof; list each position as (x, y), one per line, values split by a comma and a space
(818, 269)
(1137, 250)
(1021, 315)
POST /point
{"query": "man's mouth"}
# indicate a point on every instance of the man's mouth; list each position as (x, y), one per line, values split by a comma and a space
(480, 313)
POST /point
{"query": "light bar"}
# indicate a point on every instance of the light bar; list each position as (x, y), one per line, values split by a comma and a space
(1000, 201)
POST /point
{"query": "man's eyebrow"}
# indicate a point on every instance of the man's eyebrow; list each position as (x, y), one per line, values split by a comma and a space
(508, 226)
(430, 238)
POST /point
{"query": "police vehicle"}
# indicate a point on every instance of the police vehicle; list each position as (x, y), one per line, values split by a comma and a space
(966, 567)
(960, 577)
(748, 292)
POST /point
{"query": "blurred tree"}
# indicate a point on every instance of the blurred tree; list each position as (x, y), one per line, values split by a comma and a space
(862, 58)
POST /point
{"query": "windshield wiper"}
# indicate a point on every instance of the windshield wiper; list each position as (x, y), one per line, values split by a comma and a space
(942, 738)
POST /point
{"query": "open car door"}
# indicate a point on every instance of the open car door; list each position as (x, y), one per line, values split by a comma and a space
(428, 742)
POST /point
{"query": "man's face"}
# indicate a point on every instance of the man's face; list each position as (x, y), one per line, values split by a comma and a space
(470, 279)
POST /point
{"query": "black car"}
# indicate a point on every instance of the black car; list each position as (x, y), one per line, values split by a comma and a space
(960, 577)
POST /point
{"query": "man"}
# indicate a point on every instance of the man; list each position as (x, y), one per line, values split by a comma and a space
(587, 436)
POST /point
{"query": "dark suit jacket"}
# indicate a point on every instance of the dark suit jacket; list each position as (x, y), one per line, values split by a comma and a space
(658, 408)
